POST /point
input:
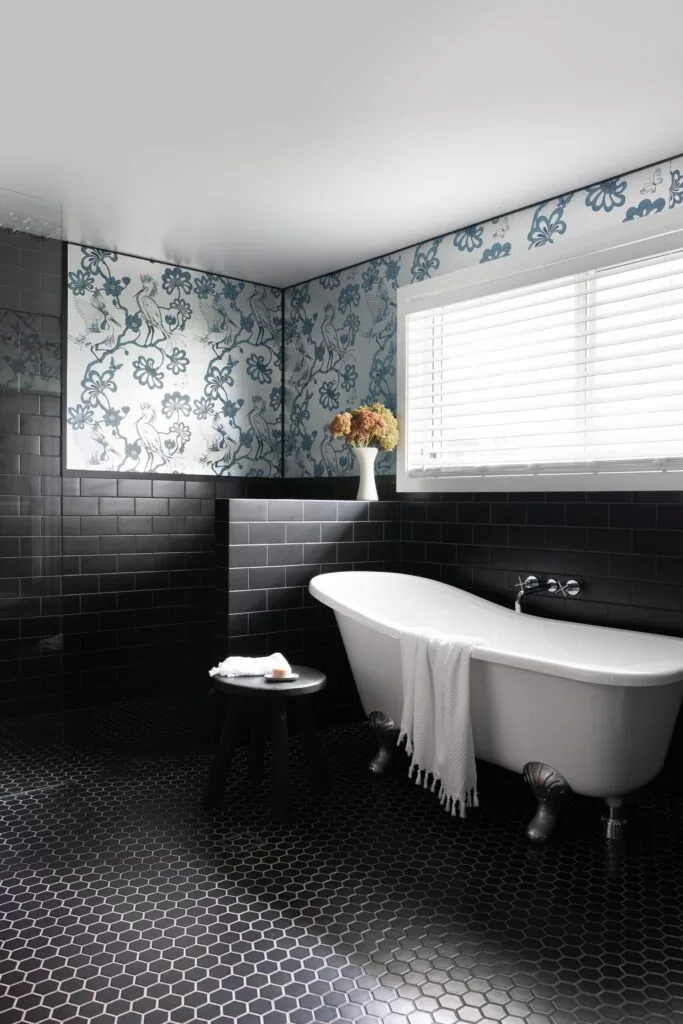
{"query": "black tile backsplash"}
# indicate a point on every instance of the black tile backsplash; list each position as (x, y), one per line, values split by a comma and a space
(623, 546)
(263, 575)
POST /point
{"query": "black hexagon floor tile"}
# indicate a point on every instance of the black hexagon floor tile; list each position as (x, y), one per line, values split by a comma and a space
(122, 901)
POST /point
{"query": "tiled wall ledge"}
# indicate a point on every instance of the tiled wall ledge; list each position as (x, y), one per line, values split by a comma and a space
(267, 552)
(626, 547)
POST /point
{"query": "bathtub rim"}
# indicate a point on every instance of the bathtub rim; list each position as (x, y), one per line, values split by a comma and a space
(486, 653)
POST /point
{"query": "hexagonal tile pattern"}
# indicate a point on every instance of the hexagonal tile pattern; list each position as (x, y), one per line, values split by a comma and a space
(122, 902)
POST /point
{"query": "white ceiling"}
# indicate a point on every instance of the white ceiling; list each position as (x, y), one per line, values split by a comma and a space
(276, 140)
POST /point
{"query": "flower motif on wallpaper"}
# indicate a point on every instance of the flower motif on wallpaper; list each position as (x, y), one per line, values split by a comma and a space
(178, 361)
(349, 377)
(93, 259)
(175, 405)
(425, 260)
(329, 282)
(79, 416)
(146, 373)
(606, 195)
(204, 286)
(370, 275)
(175, 368)
(258, 369)
(348, 298)
(175, 279)
(392, 268)
(300, 297)
(497, 252)
(81, 281)
(114, 287)
(644, 208)
(203, 407)
(676, 188)
(469, 239)
(329, 395)
(545, 226)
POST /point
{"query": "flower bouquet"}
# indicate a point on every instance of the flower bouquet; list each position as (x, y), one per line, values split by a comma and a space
(367, 429)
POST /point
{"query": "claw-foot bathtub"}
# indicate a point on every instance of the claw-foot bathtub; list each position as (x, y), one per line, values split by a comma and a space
(573, 707)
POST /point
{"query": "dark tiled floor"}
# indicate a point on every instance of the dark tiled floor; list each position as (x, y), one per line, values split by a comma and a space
(121, 901)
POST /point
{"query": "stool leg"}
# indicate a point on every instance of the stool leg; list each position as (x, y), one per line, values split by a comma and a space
(257, 740)
(281, 792)
(310, 743)
(220, 768)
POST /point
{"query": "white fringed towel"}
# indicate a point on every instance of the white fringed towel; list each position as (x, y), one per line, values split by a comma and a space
(236, 666)
(436, 722)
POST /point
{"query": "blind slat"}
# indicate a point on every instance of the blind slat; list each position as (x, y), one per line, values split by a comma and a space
(583, 370)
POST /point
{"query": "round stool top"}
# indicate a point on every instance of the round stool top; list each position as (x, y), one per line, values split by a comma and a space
(310, 681)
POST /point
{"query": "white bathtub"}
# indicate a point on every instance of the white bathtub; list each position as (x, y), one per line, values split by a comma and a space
(598, 705)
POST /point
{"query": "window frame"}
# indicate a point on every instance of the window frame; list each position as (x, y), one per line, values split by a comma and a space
(633, 240)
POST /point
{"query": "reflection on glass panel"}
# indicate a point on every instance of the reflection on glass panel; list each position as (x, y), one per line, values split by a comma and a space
(30, 511)
(31, 214)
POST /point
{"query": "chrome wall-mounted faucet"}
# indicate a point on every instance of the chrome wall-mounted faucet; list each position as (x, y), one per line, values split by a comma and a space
(532, 585)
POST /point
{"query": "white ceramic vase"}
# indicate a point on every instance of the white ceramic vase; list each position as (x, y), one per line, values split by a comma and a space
(367, 489)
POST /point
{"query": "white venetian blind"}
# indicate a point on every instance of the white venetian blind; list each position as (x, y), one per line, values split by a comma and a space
(580, 372)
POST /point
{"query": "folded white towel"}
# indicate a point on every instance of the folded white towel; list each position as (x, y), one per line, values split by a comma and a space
(236, 666)
(435, 722)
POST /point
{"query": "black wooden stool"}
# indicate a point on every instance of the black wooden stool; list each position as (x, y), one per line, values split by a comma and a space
(254, 699)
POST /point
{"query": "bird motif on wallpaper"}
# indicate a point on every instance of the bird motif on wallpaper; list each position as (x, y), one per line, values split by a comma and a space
(260, 427)
(302, 363)
(221, 452)
(150, 438)
(223, 316)
(150, 311)
(383, 312)
(94, 312)
(97, 320)
(331, 342)
(263, 316)
(100, 305)
(107, 452)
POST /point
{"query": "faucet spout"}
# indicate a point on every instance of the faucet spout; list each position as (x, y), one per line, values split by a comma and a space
(532, 585)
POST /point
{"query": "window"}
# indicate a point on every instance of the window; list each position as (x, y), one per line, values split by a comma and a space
(573, 378)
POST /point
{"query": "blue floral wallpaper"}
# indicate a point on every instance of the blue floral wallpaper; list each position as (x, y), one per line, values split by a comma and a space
(170, 370)
(340, 329)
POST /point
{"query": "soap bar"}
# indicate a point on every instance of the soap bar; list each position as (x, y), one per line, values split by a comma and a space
(279, 673)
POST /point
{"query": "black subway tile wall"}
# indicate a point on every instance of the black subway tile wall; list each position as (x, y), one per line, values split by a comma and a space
(31, 601)
(624, 547)
(139, 561)
(267, 552)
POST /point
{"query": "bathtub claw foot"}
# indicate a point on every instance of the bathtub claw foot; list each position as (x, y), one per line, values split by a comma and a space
(385, 731)
(613, 822)
(551, 790)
